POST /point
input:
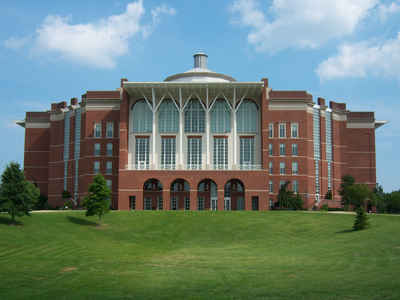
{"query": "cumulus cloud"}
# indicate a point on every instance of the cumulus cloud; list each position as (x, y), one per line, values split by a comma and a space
(362, 59)
(385, 10)
(299, 23)
(98, 43)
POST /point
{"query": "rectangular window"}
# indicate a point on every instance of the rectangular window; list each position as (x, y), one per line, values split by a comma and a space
(132, 202)
(282, 168)
(270, 167)
(201, 203)
(109, 167)
(295, 130)
(96, 167)
(295, 168)
(270, 150)
(246, 153)
(295, 150)
(194, 153)
(282, 149)
(97, 130)
(109, 184)
(271, 186)
(96, 149)
(147, 203)
(142, 159)
(187, 203)
(174, 203)
(295, 185)
(282, 130)
(254, 203)
(109, 149)
(110, 129)
(168, 151)
(220, 157)
(160, 205)
(271, 130)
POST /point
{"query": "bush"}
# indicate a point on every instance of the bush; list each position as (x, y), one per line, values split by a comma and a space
(324, 207)
(361, 221)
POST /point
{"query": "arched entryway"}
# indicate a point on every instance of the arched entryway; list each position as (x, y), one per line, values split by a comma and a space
(234, 195)
(207, 195)
(180, 195)
(152, 195)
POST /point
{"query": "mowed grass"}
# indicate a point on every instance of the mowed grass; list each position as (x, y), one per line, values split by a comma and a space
(199, 255)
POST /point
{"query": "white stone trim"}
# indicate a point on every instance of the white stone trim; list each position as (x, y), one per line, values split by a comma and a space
(37, 125)
(360, 125)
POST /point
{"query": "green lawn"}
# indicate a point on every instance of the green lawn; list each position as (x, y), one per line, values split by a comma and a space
(199, 255)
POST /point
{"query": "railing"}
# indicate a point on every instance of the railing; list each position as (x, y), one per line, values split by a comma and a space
(193, 167)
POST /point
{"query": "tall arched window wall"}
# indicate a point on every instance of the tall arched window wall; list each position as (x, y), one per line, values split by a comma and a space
(220, 117)
(247, 117)
(195, 117)
(168, 117)
(142, 117)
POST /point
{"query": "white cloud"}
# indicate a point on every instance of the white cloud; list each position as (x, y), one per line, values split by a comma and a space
(98, 43)
(363, 59)
(385, 10)
(299, 23)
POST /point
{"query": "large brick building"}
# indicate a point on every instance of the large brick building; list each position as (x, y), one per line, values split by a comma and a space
(199, 140)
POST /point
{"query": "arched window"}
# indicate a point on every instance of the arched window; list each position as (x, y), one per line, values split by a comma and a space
(247, 117)
(168, 117)
(194, 117)
(142, 117)
(220, 117)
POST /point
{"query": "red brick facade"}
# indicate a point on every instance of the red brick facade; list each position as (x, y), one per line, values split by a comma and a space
(353, 150)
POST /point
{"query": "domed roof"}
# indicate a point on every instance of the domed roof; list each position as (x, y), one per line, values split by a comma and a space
(200, 72)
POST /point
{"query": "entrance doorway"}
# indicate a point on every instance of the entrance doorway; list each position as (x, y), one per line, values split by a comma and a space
(152, 195)
(234, 195)
(180, 195)
(207, 195)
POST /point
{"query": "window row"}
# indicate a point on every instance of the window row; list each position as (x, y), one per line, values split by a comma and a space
(282, 168)
(109, 167)
(109, 129)
(282, 149)
(294, 130)
(109, 149)
(195, 117)
(294, 186)
(194, 152)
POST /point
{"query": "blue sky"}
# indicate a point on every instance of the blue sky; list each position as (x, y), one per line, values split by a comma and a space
(343, 50)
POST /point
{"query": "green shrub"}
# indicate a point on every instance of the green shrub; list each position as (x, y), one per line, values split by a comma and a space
(324, 207)
(361, 221)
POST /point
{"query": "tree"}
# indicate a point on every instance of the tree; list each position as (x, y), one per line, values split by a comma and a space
(98, 200)
(361, 221)
(284, 195)
(328, 195)
(347, 181)
(41, 203)
(288, 199)
(66, 196)
(358, 194)
(17, 195)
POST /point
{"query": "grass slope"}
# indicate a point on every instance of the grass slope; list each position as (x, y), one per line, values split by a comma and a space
(199, 255)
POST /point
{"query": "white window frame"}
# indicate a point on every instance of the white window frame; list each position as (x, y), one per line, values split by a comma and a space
(271, 130)
(295, 186)
(270, 149)
(96, 167)
(271, 186)
(294, 127)
(109, 129)
(109, 149)
(284, 130)
(97, 130)
(109, 184)
(95, 150)
(295, 146)
(109, 167)
(282, 167)
(282, 149)
(295, 168)
(271, 167)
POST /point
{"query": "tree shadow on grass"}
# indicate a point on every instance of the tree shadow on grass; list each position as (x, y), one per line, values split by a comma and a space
(80, 221)
(8, 221)
(345, 231)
